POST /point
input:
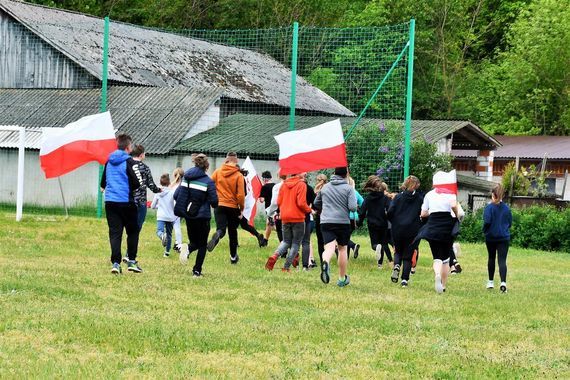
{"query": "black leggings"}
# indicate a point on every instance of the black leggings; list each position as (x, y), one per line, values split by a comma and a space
(440, 249)
(379, 235)
(502, 249)
(244, 224)
(198, 230)
(320, 240)
(404, 250)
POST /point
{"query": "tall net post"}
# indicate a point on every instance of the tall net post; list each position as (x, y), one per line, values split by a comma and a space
(103, 107)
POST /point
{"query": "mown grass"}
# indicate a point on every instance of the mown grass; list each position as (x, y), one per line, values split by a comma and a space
(62, 314)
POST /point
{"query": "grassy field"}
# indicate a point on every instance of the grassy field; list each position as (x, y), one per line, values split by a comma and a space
(62, 314)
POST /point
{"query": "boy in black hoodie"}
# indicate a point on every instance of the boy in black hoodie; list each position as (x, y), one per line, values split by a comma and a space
(404, 214)
(375, 207)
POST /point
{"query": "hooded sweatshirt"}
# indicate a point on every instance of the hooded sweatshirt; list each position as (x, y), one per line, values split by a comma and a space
(164, 203)
(201, 188)
(336, 200)
(292, 200)
(404, 213)
(119, 179)
(230, 186)
(375, 207)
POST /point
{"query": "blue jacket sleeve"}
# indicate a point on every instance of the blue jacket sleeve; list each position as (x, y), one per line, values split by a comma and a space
(486, 218)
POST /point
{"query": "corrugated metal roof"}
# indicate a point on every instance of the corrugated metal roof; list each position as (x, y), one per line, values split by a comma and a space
(158, 118)
(148, 57)
(529, 147)
(253, 134)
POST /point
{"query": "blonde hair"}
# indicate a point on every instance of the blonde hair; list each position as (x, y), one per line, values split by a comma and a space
(350, 181)
(177, 175)
(321, 181)
(498, 193)
(411, 183)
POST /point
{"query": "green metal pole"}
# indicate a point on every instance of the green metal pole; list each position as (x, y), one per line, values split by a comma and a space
(103, 107)
(408, 138)
(376, 92)
(293, 76)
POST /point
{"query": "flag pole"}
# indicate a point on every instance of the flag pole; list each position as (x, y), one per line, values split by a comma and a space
(103, 107)
(63, 198)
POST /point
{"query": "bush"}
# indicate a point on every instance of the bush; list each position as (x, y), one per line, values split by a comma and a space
(537, 227)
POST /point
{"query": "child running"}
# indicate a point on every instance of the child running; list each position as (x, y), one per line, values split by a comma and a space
(336, 200)
(375, 208)
(164, 203)
(177, 175)
(404, 213)
(497, 221)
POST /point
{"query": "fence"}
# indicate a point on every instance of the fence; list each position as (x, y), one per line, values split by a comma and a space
(210, 91)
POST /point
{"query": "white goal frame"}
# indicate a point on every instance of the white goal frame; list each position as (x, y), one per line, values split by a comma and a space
(21, 152)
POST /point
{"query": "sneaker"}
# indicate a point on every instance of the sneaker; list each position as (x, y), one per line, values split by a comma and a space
(503, 287)
(126, 259)
(356, 249)
(134, 267)
(184, 253)
(458, 268)
(438, 284)
(163, 238)
(343, 283)
(378, 251)
(261, 241)
(176, 248)
(166, 254)
(116, 269)
(197, 274)
(325, 275)
(453, 271)
(271, 261)
(395, 274)
(490, 284)
(296, 261)
(234, 260)
(286, 270)
(413, 271)
(404, 284)
(313, 264)
(213, 242)
(306, 269)
(379, 264)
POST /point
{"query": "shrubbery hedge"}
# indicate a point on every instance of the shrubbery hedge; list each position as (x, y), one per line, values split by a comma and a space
(537, 227)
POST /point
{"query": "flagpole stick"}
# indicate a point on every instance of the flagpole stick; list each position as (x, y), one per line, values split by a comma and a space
(63, 198)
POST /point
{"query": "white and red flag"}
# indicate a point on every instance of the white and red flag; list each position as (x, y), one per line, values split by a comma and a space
(320, 147)
(253, 188)
(445, 182)
(90, 138)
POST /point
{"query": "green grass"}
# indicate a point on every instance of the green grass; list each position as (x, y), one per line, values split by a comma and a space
(62, 314)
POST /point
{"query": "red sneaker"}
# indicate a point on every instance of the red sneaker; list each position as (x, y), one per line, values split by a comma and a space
(271, 261)
(286, 270)
(296, 261)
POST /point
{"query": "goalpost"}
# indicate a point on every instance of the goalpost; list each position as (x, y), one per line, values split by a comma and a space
(21, 150)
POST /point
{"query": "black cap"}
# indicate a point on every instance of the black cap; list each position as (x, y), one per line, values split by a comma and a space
(341, 171)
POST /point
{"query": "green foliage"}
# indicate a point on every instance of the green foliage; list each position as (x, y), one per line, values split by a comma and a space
(425, 161)
(527, 181)
(536, 227)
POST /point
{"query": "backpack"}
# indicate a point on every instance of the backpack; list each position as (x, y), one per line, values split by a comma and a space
(190, 196)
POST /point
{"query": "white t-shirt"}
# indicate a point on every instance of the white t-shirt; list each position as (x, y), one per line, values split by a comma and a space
(435, 202)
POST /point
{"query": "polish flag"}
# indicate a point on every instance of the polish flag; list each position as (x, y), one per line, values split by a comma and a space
(253, 188)
(320, 147)
(90, 138)
(445, 182)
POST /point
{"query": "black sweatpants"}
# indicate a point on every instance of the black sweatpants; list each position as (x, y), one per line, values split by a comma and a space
(198, 231)
(122, 216)
(279, 229)
(500, 249)
(379, 235)
(228, 218)
(306, 244)
(244, 224)
(404, 251)
(320, 240)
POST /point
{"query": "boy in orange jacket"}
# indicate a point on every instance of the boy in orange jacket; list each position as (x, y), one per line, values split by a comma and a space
(230, 187)
(292, 202)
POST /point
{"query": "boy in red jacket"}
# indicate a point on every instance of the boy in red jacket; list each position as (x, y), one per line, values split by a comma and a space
(292, 202)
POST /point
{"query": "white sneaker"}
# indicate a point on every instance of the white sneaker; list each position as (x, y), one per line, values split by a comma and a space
(490, 284)
(183, 257)
(438, 284)
(503, 287)
(378, 252)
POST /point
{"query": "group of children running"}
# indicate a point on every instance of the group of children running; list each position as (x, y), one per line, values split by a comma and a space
(333, 209)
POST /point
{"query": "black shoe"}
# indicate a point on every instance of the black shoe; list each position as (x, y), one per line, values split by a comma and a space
(356, 249)
(213, 242)
(234, 260)
(196, 274)
(325, 275)
(312, 264)
(458, 268)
